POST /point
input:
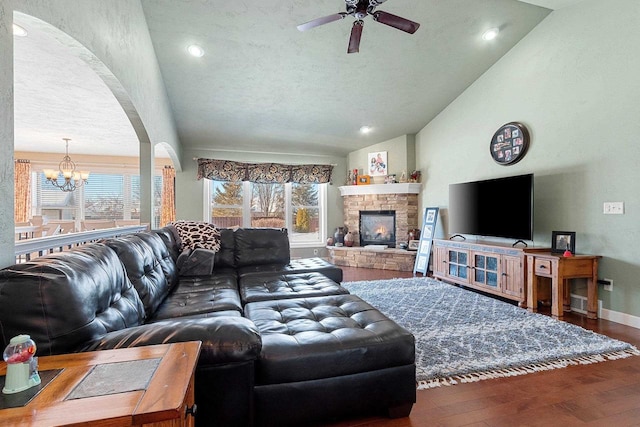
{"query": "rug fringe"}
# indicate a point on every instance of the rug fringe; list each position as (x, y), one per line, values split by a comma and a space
(527, 369)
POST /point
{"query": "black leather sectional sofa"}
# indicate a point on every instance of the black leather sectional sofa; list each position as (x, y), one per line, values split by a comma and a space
(282, 342)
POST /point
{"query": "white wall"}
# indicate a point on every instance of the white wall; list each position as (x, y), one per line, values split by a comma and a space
(574, 81)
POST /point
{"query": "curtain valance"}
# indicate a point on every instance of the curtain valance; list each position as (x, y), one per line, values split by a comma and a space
(263, 173)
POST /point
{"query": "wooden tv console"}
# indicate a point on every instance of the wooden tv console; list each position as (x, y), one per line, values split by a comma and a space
(495, 268)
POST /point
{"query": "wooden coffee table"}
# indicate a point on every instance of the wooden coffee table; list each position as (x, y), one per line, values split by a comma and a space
(167, 400)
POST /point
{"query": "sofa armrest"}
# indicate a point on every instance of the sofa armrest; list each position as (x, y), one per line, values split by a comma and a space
(224, 339)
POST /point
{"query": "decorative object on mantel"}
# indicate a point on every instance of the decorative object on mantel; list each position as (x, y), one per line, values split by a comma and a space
(509, 144)
(462, 336)
(563, 242)
(330, 241)
(415, 176)
(67, 168)
(364, 180)
(390, 179)
(403, 177)
(339, 236)
(378, 163)
(348, 239)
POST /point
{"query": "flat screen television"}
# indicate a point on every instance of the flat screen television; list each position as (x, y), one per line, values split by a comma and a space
(501, 207)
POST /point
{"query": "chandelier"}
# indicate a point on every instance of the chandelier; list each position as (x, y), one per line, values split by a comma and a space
(72, 179)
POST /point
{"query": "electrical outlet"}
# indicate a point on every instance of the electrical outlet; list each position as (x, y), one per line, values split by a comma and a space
(315, 251)
(609, 285)
(613, 208)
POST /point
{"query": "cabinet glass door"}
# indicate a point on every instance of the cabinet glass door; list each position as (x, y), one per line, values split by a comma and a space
(485, 270)
(458, 264)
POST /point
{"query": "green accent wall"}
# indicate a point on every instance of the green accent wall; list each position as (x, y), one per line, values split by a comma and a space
(574, 81)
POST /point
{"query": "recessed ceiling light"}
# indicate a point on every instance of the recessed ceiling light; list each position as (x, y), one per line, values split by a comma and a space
(490, 34)
(365, 129)
(195, 50)
(19, 31)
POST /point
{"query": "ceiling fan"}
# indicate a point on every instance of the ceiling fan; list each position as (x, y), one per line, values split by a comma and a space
(360, 9)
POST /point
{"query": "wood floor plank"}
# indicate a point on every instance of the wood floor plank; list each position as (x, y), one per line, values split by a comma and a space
(600, 394)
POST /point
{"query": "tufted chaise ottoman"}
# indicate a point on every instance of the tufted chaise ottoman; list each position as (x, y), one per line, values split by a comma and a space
(284, 286)
(294, 266)
(325, 357)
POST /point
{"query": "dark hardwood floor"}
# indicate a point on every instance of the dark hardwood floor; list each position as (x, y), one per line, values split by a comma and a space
(601, 394)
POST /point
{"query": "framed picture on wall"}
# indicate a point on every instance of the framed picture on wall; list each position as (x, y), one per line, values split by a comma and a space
(378, 163)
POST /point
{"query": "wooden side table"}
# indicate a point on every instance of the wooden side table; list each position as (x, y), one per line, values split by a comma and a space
(560, 270)
(167, 400)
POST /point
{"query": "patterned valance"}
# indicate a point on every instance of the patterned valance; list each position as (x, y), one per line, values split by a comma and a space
(263, 173)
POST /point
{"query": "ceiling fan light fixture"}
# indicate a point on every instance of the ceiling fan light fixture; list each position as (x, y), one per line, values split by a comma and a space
(19, 31)
(195, 50)
(365, 130)
(490, 34)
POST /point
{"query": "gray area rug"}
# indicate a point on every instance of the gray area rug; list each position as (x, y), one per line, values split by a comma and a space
(462, 336)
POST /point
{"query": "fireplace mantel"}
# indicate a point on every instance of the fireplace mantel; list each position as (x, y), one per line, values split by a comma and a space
(401, 188)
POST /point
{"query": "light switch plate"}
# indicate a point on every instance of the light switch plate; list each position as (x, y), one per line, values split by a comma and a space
(613, 208)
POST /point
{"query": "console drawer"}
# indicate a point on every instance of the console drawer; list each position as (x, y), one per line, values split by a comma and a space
(542, 267)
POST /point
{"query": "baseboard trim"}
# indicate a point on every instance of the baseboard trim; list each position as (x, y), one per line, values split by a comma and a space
(579, 304)
(618, 317)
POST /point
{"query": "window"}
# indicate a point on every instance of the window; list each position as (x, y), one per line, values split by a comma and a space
(226, 204)
(305, 210)
(52, 202)
(132, 199)
(105, 197)
(267, 205)
(298, 207)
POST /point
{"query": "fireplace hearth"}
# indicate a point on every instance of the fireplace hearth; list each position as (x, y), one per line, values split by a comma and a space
(378, 228)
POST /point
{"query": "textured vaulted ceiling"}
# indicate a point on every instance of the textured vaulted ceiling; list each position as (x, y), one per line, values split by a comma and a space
(264, 86)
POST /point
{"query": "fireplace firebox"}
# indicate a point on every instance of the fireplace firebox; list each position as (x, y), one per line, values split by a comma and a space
(378, 228)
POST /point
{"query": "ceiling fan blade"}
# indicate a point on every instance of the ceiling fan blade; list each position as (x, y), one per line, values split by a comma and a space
(356, 34)
(321, 21)
(396, 21)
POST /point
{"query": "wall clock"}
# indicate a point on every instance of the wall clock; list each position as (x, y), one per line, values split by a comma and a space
(509, 144)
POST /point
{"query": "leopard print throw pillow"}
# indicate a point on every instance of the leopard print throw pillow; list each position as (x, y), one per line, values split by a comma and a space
(198, 235)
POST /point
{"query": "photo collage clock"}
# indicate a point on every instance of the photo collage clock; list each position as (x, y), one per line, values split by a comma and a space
(509, 144)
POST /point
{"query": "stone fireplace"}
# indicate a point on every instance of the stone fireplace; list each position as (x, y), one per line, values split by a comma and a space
(403, 200)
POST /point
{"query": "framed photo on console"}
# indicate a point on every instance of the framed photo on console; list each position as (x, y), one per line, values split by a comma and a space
(563, 241)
